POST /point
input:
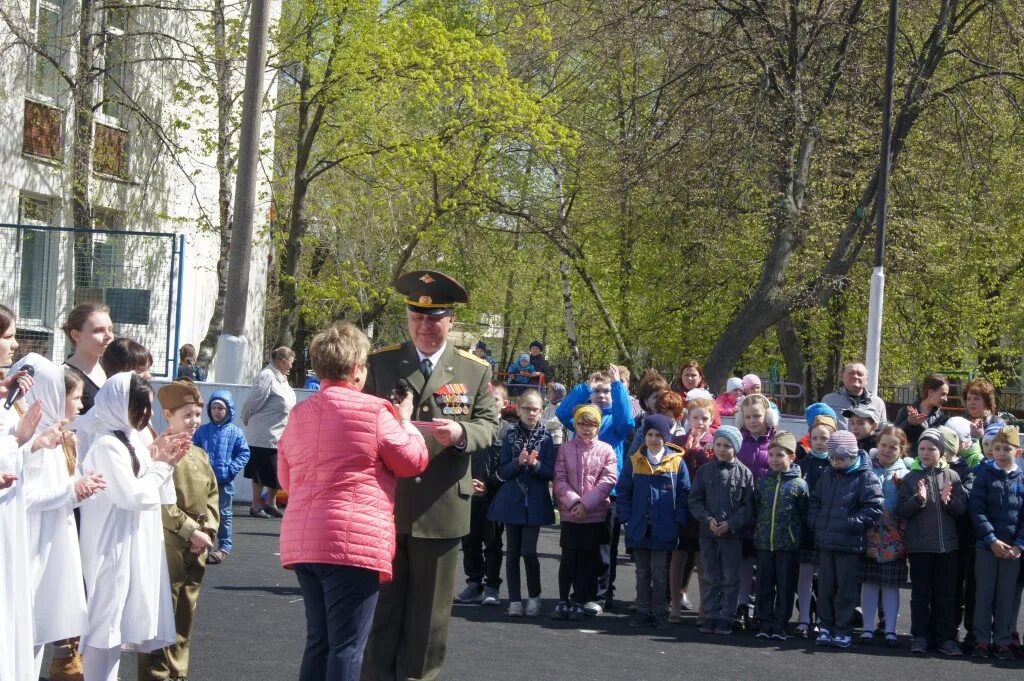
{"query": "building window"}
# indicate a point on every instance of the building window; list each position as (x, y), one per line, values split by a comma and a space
(45, 19)
(115, 64)
(36, 246)
(43, 125)
(99, 255)
(110, 151)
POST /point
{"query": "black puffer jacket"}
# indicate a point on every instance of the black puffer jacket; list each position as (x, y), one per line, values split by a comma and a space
(932, 526)
(845, 504)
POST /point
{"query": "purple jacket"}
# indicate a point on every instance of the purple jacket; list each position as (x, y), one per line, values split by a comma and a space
(754, 452)
(585, 472)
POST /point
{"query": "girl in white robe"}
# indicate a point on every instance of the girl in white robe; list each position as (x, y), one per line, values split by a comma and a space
(51, 494)
(123, 557)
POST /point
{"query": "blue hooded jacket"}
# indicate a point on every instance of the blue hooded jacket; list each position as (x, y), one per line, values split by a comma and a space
(224, 442)
(616, 420)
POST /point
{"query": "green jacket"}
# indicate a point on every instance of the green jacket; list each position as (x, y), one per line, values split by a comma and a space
(435, 504)
(780, 503)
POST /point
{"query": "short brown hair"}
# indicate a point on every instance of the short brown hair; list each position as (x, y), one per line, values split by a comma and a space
(703, 403)
(124, 354)
(187, 353)
(669, 402)
(604, 376)
(893, 431)
(79, 315)
(985, 391)
(652, 382)
(694, 364)
(336, 351)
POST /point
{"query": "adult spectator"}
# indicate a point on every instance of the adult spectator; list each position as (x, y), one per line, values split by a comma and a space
(483, 352)
(690, 377)
(340, 458)
(265, 414)
(539, 362)
(90, 331)
(980, 404)
(926, 412)
(854, 393)
(187, 367)
(452, 401)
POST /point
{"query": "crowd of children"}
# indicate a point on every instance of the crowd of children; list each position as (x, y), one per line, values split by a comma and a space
(106, 526)
(831, 526)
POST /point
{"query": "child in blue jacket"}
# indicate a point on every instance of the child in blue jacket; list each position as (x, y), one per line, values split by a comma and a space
(996, 510)
(651, 499)
(228, 450)
(523, 501)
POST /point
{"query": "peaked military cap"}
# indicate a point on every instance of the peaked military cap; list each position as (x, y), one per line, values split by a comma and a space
(432, 293)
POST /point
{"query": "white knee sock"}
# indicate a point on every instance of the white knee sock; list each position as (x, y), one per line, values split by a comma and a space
(803, 591)
(890, 607)
(869, 594)
(101, 664)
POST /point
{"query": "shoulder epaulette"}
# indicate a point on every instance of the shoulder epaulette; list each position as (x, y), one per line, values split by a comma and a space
(386, 348)
(470, 355)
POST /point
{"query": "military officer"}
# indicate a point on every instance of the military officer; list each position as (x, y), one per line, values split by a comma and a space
(455, 410)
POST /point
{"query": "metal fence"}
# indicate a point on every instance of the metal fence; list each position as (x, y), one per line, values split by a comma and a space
(137, 275)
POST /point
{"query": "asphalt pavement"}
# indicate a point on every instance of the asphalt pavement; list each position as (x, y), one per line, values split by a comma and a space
(251, 627)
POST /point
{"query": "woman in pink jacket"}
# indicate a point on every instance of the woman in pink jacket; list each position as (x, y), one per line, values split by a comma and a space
(586, 471)
(339, 458)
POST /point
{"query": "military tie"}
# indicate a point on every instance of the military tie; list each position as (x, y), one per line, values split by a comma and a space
(427, 367)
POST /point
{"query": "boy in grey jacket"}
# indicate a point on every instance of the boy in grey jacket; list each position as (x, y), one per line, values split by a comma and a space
(722, 501)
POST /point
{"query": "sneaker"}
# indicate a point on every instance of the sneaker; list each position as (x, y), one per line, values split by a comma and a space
(258, 512)
(841, 641)
(891, 641)
(561, 611)
(951, 649)
(575, 612)
(515, 609)
(706, 628)
(532, 607)
(803, 629)
(779, 636)
(592, 608)
(491, 596)
(919, 645)
(763, 634)
(67, 669)
(824, 637)
(273, 511)
(1004, 653)
(640, 619)
(866, 638)
(981, 650)
(473, 593)
(685, 604)
(723, 630)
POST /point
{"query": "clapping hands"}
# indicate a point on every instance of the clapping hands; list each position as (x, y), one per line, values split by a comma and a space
(88, 485)
(170, 448)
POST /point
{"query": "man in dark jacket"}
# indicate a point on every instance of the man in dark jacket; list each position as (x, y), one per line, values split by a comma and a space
(540, 363)
(845, 504)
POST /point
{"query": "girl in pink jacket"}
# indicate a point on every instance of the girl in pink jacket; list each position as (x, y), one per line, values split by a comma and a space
(586, 471)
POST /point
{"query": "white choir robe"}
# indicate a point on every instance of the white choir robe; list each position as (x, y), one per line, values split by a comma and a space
(17, 661)
(58, 593)
(123, 555)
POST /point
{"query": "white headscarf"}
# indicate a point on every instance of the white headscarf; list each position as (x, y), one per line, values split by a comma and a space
(47, 389)
(108, 414)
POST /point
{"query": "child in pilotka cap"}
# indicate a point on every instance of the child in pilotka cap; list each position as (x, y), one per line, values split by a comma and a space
(190, 528)
(780, 500)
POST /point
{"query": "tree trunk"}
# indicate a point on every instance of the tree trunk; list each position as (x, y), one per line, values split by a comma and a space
(570, 322)
(509, 342)
(222, 65)
(82, 140)
(791, 346)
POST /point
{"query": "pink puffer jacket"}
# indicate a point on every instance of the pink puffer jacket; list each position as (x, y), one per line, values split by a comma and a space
(339, 459)
(585, 472)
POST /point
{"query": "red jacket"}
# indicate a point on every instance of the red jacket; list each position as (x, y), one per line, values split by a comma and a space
(339, 458)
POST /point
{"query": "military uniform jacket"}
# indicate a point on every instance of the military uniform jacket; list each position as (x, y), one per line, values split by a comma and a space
(435, 504)
(198, 506)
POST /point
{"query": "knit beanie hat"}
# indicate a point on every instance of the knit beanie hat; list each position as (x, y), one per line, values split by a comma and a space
(698, 394)
(587, 413)
(1010, 435)
(524, 357)
(660, 423)
(960, 426)
(992, 430)
(950, 442)
(817, 409)
(842, 443)
(733, 383)
(732, 434)
(537, 344)
(933, 435)
(785, 440)
(751, 381)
